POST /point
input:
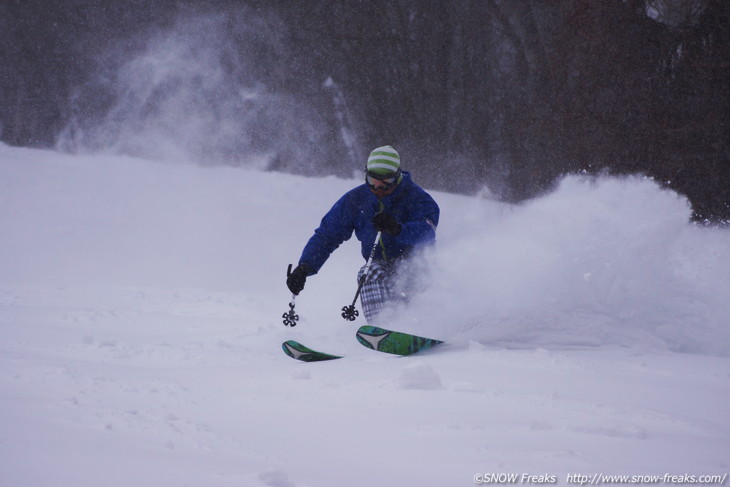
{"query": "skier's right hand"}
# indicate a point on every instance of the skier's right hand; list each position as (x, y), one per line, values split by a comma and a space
(295, 279)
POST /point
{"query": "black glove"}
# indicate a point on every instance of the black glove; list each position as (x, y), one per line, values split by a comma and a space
(386, 223)
(295, 279)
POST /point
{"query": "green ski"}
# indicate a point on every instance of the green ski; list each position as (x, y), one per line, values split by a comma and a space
(298, 351)
(393, 342)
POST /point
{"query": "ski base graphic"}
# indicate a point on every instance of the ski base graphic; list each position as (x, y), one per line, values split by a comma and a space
(394, 342)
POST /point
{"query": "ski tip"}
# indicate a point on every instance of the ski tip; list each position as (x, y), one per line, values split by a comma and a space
(298, 351)
(291, 348)
(372, 330)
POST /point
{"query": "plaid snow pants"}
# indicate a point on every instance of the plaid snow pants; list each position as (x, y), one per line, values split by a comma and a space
(376, 291)
(394, 281)
(380, 288)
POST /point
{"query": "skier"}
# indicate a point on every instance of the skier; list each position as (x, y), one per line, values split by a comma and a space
(388, 202)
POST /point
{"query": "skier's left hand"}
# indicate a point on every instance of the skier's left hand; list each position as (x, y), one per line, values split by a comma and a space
(296, 279)
(386, 223)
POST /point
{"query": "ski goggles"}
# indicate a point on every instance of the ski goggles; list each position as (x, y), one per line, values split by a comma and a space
(387, 180)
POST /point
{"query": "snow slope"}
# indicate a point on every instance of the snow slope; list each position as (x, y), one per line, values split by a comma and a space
(140, 332)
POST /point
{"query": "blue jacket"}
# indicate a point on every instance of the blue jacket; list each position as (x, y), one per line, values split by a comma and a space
(411, 206)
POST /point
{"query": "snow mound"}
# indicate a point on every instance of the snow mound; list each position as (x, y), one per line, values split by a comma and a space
(418, 375)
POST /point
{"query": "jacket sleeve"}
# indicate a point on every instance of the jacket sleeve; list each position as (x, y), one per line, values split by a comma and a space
(336, 227)
(422, 221)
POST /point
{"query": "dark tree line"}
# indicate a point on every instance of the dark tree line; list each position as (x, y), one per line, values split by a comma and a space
(511, 94)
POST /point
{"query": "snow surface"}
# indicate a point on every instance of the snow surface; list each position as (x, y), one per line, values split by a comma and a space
(140, 334)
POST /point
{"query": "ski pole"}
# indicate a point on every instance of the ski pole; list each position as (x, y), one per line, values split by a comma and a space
(349, 312)
(290, 317)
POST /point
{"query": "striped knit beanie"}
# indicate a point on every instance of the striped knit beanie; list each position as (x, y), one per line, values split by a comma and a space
(384, 160)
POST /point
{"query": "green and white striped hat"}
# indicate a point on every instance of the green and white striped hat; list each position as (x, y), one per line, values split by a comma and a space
(383, 160)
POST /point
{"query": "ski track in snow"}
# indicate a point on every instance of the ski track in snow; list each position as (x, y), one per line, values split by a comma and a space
(140, 335)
